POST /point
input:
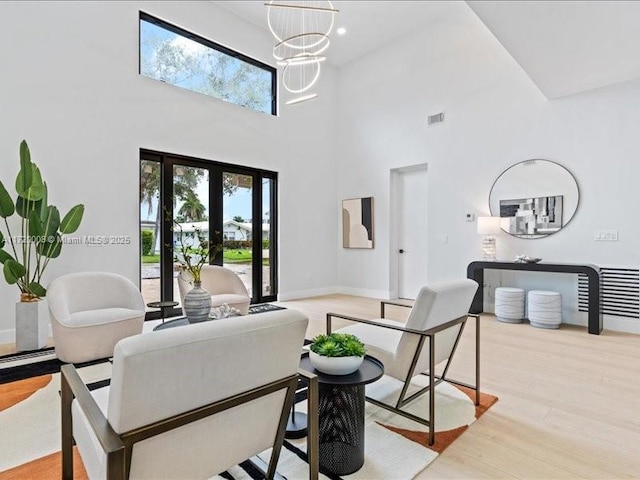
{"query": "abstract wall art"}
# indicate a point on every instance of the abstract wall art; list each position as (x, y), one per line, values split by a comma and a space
(536, 216)
(357, 223)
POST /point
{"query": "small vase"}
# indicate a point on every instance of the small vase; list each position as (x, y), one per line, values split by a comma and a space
(197, 303)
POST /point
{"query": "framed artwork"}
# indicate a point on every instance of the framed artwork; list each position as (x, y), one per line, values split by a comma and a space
(532, 216)
(357, 223)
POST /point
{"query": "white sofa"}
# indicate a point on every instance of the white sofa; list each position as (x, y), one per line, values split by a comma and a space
(245, 367)
(91, 312)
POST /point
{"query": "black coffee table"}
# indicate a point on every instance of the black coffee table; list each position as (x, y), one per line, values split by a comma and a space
(341, 401)
(176, 322)
(162, 306)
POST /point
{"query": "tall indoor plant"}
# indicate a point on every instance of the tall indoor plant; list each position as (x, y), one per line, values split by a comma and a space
(26, 251)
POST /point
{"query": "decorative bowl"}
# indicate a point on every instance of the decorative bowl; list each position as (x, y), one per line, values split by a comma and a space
(335, 365)
(525, 259)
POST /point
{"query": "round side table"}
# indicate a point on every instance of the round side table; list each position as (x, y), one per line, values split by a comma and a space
(162, 306)
(341, 415)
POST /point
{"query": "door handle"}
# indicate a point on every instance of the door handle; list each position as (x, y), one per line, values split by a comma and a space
(402, 251)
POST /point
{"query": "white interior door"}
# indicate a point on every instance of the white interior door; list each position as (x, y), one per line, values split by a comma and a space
(412, 232)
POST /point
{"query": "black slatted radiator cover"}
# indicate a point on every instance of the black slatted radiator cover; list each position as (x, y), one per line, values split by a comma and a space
(619, 292)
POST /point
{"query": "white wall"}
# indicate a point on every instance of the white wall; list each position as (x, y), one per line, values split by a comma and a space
(495, 117)
(70, 86)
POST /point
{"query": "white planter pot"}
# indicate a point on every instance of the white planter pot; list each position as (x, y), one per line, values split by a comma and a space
(335, 365)
(32, 325)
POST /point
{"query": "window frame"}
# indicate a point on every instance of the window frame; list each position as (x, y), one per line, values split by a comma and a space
(143, 16)
(166, 162)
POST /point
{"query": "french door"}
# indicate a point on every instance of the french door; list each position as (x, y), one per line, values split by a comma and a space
(232, 205)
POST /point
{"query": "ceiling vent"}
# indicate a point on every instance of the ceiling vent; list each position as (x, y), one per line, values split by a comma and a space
(437, 118)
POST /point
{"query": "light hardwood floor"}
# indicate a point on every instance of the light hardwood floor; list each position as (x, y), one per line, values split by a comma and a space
(569, 402)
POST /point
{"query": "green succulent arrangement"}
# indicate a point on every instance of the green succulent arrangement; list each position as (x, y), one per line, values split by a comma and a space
(338, 345)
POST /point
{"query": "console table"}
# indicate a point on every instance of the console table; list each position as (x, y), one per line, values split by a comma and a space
(475, 271)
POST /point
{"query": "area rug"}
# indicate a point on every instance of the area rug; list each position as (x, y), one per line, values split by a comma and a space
(35, 366)
(395, 448)
(264, 307)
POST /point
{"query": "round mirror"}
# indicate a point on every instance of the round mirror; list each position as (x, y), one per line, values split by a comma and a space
(534, 198)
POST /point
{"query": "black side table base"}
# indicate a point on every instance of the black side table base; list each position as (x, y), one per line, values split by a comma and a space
(341, 442)
(296, 426)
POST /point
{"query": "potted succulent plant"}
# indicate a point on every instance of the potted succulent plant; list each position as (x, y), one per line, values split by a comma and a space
(26, 256)
(337, 353)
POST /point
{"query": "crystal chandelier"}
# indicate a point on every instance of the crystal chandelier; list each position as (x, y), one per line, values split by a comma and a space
(301, 29)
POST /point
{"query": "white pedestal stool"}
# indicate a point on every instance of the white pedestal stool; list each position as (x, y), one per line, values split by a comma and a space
(545, 309)
(509, 305)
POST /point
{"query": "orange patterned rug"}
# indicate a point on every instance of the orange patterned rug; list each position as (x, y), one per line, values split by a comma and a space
(447, 437)
(458, 401)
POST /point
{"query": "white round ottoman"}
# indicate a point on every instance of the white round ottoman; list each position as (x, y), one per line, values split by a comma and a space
(509, 304)
(545, 309)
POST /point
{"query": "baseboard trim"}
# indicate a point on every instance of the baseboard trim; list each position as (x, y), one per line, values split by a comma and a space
(7, 336)
(621, 324)
(363, 292)
(317, 292)
(356, 292)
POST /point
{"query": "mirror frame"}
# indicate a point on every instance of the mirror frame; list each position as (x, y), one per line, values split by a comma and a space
(536, 237)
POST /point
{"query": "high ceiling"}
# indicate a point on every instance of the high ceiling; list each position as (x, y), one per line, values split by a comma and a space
(568, 47)
(565, 47)
(370, 24)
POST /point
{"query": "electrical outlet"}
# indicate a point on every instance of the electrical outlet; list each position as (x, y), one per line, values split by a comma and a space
(445, 238)
(470, 217)
(605, 235)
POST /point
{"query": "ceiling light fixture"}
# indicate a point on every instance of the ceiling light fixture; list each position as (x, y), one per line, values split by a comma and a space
(302, 30)
(341, 30)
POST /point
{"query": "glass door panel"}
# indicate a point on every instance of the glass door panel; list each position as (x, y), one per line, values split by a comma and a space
(268, 245)
(181, 196)
(237, 226)
(150, 227)
(190, 215)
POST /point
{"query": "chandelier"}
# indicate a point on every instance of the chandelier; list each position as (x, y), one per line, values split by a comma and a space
(301, 30)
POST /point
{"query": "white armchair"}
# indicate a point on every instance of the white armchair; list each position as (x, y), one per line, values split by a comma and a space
(188, 402)
(223, 285)
(91, 312)
(429, 338)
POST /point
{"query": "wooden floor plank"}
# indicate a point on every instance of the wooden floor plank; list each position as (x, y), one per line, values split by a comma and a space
(568, 403)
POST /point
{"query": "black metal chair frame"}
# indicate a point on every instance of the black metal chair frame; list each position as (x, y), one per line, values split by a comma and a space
(119, 447)
(430, 336)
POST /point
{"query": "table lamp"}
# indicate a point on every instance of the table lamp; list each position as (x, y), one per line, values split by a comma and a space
(488, 227)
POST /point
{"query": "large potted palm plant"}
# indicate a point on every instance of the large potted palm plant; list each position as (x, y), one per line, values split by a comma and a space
(28, 245)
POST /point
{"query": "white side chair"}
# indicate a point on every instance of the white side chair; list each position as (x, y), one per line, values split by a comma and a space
(509, 305)
(429, 338)
(545, 309)
(91, 312)
(223, 285)
(187, 402)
